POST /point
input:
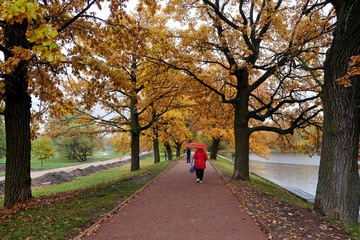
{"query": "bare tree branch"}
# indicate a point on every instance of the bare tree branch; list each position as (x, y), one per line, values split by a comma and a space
(298, 122)
(77, 16)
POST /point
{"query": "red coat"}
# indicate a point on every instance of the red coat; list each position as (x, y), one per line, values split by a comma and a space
(201, 157)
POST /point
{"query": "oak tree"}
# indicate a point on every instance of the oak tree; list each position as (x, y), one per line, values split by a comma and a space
(216, 122)
(112, 74)
(265, 49)
(338, 192)
(32, 34)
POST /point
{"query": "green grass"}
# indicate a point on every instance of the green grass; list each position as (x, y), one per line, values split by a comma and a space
(353, 230)
(57, 161)
(64, 220)
(263, 185)
(93, 179)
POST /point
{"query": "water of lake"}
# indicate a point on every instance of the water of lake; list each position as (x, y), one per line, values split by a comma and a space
(296, 170)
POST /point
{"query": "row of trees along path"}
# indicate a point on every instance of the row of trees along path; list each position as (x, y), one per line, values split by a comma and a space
(260, 57)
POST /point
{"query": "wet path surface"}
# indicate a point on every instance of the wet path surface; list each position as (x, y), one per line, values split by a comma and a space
(176, 207)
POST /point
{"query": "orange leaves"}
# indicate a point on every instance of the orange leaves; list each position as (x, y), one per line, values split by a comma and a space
(259, 143)
(174, 125)
(19, 54)
(121, 142)
(42, 200)
(353, 70)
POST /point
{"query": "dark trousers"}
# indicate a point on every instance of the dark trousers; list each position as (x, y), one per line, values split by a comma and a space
(188, 158)
(200, 174)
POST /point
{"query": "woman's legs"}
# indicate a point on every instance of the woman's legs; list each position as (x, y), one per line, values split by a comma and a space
(199, 174)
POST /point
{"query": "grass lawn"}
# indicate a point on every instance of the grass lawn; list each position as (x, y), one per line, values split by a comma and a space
(76, 210)
(57, 161)
(93, 179)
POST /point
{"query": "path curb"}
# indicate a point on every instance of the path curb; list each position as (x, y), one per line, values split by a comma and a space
(93, 228)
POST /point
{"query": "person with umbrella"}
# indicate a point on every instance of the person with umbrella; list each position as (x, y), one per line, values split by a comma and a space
(200, 157)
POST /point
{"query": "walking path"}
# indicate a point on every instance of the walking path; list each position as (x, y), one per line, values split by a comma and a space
(176, 207)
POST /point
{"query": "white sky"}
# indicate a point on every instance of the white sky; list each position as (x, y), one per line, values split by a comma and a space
(104, 12)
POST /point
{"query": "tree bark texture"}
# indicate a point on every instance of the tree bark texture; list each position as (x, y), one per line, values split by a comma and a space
(338, 193)
(214, 148)
(168, 150)
(17, 123)
(135, 136)
(178, 150)
(135, 151)
(156, 147)
(242, 132)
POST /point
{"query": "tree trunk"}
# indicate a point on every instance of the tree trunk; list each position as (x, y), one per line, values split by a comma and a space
(135, 136)
(168, 150)
(241, 162)
(337, 193)
(165, 155)
(178, 149)
(18, 146)
(135, 151)
(241, 128)
(135, 127)
(156, 147)
(17, 123)
(214, 148)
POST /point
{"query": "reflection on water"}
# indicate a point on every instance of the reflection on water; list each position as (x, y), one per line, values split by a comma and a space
(304, 177)
(297, 170)
(291, 158)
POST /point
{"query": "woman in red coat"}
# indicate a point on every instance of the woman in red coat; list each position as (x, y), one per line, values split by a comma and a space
(200, 157)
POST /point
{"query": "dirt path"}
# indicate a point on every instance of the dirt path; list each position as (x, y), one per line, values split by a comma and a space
(176, 207)
(36, 174)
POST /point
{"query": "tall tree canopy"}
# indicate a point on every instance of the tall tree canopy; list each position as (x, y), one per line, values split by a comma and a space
(214, 121)
(112, 73)
(264, 49)
(264, 58)
(32, 36)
